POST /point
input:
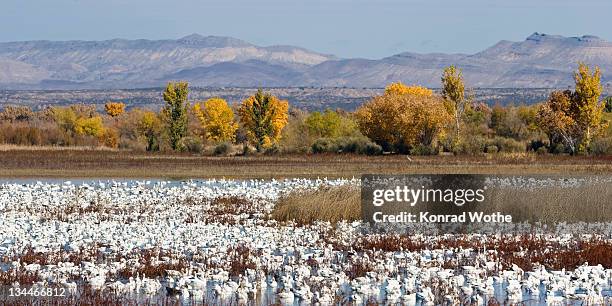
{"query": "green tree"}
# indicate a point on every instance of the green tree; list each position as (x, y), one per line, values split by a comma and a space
(175, 111)
(453, 92)
(326, 124)
(149, 125)
(66, 118)
(264, 117)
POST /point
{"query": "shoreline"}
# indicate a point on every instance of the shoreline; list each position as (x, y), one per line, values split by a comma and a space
(23, 163)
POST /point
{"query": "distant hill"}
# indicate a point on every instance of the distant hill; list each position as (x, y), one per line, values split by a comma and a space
(540, 61)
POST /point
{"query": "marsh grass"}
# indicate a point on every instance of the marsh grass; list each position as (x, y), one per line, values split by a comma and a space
(82, 163)
(546, 205)
(331, 204)
(549, 205)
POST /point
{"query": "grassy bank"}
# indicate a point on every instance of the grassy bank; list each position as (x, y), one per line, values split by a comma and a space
(545, 204)
(45, 162)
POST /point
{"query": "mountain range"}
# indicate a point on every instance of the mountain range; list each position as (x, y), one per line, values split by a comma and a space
(540, 61)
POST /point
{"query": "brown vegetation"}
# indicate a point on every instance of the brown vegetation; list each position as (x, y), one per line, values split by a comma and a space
(526, 251)
(40, 163)
(331, 204)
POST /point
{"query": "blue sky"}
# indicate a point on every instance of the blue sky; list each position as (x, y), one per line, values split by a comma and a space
(347, 28)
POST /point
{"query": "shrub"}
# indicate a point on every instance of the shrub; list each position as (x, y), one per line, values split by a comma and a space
(508, 145)
(295, 136)
(21, 134)
(190, 144)
(492, 149)
(423, 150)
(138, 145)
(357, 145)
(324, 145)
(370, 148)
(542, 150)
(472, 145)
(535, 145)
(110, 138)
(223, 148)
(559, 149)
(601, 146)
(246, 149)
(272, 150)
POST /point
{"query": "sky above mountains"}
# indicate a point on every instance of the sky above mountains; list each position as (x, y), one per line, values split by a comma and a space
(346, 28)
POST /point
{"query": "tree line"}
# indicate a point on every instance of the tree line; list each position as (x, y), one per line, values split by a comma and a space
(404, 119)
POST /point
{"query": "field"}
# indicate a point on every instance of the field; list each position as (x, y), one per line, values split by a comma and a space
(286, 229)
(219, 242)
(23, 162)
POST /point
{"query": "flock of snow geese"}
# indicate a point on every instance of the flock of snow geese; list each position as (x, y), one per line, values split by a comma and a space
(158, 238)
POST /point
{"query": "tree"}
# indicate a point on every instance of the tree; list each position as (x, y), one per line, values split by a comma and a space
(84, 110)
(575, 117)
(403, 121)
(149, 125)
(453, 92)
(16, 113)
(556, 119)
(217, 119)
(175, 111)
(326, 124)
(587, 104)
(89, 126)
(114, 109)
(109, 138)
(264, 117)
(401, 89)
(65, 117)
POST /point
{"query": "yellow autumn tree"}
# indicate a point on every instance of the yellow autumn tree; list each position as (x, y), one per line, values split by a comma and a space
(453, 92)
(574, 118)
(403, 121)
(217, 119)
(556, 119)
(114, 109)
(264, 116)
(588, 107)
(65, 117)
(149, 125)
(401, 89)
(89, 126)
